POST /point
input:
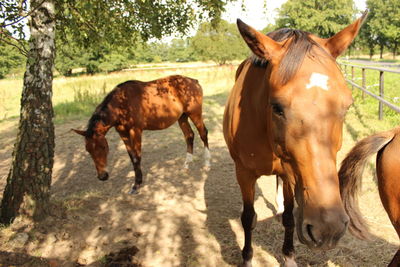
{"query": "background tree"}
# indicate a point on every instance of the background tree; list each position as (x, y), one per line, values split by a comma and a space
(384, 23)
(320, 17)
(69, 55)
(10, 58)
(91, 24)
(180, 50)
(374, 23)
(220, 44)
(269, 28)
(366, 37)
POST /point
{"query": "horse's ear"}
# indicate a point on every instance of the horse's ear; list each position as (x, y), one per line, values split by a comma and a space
(338, 43)
(261, 45)
(83, 133)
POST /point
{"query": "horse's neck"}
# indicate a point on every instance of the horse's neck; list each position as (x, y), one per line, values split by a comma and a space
(255, 90)
(101, 125)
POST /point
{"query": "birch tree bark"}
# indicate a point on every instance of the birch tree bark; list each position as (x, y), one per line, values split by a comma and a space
(28, 182)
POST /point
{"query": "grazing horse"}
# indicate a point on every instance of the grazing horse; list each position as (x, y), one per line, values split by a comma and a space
(284, 116)
(387, 147)
(134, 106)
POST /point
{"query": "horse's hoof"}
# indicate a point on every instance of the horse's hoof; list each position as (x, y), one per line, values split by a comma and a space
(278, 217)
(280, 211)
(290, 262)
(103, 177)
(134, 191)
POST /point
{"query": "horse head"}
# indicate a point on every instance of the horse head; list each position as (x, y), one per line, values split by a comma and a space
(97, 146)
(306, 103)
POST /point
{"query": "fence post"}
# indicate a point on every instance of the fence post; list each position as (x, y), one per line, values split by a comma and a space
(381, 93)
(363, 83)
(352, 76)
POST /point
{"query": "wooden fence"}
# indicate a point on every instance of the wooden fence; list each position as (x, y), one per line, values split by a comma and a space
(363, 87)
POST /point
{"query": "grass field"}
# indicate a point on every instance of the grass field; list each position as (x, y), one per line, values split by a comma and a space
(367, 104)
(76, 97)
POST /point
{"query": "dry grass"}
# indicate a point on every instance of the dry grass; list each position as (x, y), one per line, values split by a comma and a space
(75, 97)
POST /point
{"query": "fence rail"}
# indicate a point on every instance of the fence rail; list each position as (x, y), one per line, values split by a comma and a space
(363, 86)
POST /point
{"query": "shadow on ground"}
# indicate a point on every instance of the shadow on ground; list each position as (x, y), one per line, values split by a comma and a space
(225, 207)
(179, 218)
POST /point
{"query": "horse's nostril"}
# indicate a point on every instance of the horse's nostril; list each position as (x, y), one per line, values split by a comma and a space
(346, 220)
(309, 228)
(309, 232)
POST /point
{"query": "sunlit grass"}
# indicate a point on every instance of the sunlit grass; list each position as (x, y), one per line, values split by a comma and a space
(77, 97)
(365, 108)
(10, 96)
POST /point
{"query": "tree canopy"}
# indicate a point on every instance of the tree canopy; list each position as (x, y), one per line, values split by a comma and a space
(98, 42)
(209, 43)
(383, 25)
(220, 44)
(10, 58)
(320, 17)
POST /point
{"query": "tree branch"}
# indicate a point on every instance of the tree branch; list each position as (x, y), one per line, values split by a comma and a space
(23, 16)
(8, 41)
(87, 23)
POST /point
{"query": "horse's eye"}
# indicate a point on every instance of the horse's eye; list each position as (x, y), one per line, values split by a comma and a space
(277, 109)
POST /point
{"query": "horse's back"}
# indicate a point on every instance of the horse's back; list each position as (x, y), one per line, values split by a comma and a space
(176, 83)
(245, 123)
(159, 103)
(185, 90)
(184, 84)
(388, 172)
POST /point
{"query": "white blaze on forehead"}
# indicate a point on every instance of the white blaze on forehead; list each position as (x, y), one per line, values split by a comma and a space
(319, 80)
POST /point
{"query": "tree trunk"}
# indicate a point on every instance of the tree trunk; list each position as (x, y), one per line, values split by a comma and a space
(395, 50)
(28, 182)
(349, 50)
(371, 52)
(381, 55)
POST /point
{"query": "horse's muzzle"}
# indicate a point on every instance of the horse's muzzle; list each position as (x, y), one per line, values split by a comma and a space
(103, 176)
(322, 235)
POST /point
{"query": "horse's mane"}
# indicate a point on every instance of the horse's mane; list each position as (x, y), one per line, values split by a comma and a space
(99, 115)
(298, 48)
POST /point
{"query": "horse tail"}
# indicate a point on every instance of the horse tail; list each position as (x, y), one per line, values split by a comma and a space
(350, 175)
(198, 86)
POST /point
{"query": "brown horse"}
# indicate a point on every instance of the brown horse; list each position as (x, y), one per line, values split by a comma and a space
(284, 116)
(387, 147)
(134, 106)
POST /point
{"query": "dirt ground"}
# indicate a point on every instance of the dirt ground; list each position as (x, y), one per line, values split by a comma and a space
(179, 218)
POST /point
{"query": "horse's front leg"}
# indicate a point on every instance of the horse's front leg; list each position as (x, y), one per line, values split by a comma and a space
(247, 180)
(288, 223)
(136, 141)
(279, 196)
(133, 143)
